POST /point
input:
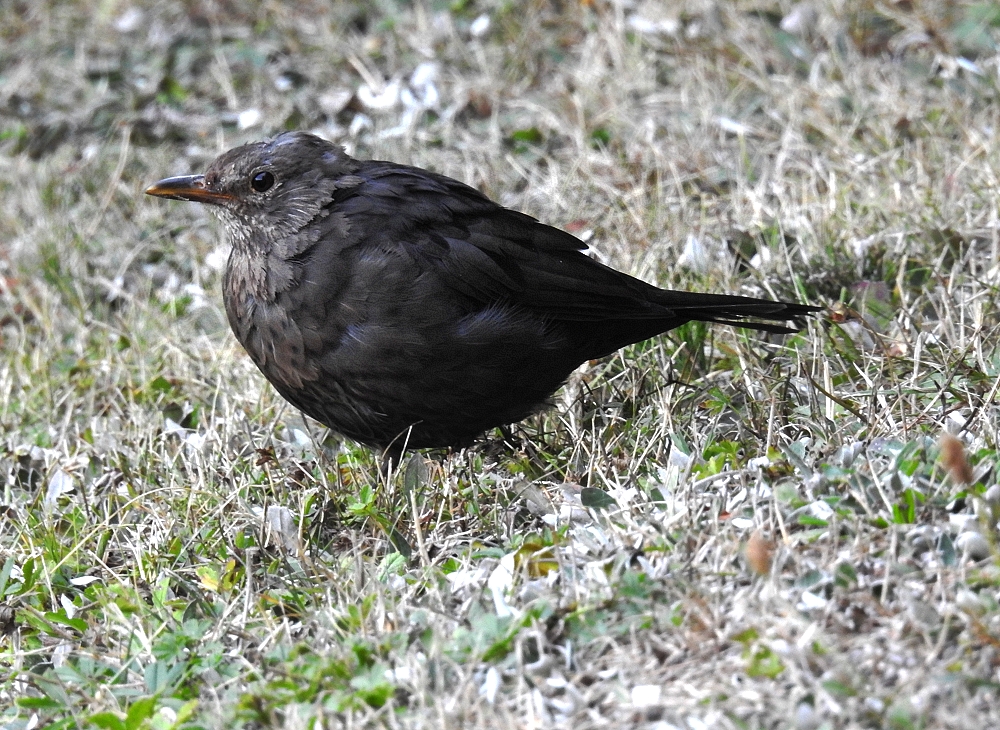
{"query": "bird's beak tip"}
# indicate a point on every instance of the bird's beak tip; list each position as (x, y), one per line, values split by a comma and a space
(186, 187)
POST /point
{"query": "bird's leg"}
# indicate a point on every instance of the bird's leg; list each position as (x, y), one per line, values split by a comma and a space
(392, 455)
(392, 458)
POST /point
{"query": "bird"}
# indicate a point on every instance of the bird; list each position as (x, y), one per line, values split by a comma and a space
(404, 309)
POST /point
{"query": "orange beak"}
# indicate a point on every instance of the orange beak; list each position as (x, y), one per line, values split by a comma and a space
(187, 187)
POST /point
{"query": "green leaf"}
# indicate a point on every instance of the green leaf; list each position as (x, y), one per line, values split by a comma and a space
(596, 498)
(5, 574)
(812, 521)
(171, 91)
(809, 579)
(399, 542)
(372, 686)
(160, 676)
(765, 663)
(28, 576)
(38, 703)
(600, 137)
(108, 720)
(845, 575)
(59, 617)
(947, 547)
(141, 709)
(747, 636)
(416, 473)
(531, 135)
(393, 564)
(838, 689)
(185, 711)
(160, 384)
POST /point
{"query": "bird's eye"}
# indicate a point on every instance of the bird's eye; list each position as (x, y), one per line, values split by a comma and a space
(262, 181)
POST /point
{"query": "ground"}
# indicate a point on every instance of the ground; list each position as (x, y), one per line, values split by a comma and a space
(714, 529)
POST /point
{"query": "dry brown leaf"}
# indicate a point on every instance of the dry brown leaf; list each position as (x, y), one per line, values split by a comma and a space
(954, 460)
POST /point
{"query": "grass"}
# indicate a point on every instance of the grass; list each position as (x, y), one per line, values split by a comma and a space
(711, 529)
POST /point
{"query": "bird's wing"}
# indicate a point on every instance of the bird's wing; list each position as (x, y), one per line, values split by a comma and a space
(486, 252)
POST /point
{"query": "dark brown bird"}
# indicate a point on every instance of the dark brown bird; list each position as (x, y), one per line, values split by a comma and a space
(402, 308)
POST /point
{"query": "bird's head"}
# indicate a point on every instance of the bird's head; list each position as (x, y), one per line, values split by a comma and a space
(265, 191)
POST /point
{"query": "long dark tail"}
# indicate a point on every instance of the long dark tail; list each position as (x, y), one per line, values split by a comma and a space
(757, 314)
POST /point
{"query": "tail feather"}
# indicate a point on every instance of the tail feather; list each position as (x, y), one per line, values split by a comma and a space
(736, 311)
(777, 329)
